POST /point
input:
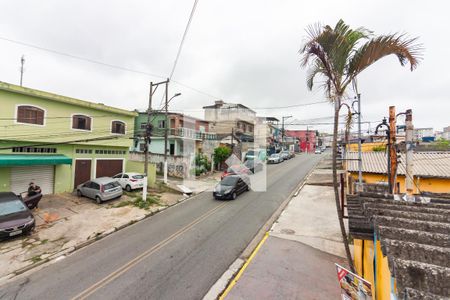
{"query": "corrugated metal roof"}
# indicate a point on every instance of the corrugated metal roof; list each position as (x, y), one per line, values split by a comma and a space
(415, 237)
(425, 164)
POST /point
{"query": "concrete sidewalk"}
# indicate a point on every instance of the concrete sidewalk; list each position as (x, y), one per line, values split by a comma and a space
(196, 185)
(285, 269)
(297, 260)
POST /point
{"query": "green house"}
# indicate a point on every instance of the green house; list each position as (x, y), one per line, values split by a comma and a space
(59, 142)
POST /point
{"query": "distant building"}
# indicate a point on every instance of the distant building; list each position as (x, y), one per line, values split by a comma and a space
(306, 139)
(421, 133)
(268, 133)
(446, 133)
(186, 134)
(233, 123)
(222, 111)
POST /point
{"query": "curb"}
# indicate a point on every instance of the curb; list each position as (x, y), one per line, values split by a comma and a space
(64, 252)
(254, 244)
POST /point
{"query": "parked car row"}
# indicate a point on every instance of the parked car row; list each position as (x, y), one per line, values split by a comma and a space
(107, 188)
(277, 158)
(16, 217)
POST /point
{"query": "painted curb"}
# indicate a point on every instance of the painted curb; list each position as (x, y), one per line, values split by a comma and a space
(257, 239)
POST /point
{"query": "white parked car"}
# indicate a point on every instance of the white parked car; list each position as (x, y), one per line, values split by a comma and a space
(130, 181)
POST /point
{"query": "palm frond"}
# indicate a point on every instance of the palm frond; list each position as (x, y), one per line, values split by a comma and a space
(406, 50)
(313, 71)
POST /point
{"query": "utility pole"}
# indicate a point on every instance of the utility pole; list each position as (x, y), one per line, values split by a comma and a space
(147, 138)
(22, 70)
(392, 148)
(359, 147)
(148, 128)
(282, 130)
(147, 141)
(409, 155)
(166, 113)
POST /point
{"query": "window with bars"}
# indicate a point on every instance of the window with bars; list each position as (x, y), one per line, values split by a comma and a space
(81, 122)
(34, 150)
(118, 127)
(30, 115)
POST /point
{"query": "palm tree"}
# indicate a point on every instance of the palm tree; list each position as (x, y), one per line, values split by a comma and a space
(338, 55)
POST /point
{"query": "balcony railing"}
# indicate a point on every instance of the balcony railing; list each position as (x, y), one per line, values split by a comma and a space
(190, 133)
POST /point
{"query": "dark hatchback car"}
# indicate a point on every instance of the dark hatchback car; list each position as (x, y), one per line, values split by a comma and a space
(231, 186)
(15, 217)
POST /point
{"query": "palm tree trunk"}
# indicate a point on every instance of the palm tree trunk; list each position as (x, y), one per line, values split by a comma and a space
(336, 187)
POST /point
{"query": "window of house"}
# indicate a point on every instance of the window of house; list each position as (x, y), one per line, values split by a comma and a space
(162, 124)
(143, 125)
(30, 115)
(118, 127)
(81, 122)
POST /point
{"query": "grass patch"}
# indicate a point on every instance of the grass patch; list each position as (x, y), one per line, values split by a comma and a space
(43, 242)
(139, 202)
(36, 258)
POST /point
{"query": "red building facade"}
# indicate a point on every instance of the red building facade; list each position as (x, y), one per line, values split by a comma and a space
(306, 139)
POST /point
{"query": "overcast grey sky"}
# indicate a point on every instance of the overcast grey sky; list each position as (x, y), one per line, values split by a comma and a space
(239, 51)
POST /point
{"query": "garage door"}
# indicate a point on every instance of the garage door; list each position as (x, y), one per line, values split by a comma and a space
(82, 171)
(43, 176)
(108, 167)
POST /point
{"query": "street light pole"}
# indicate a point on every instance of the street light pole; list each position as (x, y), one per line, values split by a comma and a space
(359, 146)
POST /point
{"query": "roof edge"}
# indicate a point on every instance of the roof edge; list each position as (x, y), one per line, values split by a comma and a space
(63, 99)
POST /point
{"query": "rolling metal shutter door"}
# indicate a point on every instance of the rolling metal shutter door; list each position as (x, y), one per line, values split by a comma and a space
(108, 167)
(43, 176)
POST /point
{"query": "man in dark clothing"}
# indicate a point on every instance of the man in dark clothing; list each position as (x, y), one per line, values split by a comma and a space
(33, 189)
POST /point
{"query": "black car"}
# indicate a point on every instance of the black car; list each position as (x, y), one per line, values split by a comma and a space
(253, 165)
(15, 217)
(231, 186)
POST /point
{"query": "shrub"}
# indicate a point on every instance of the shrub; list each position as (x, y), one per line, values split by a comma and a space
(221, 154)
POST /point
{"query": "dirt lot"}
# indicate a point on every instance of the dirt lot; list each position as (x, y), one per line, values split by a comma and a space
(65, 222)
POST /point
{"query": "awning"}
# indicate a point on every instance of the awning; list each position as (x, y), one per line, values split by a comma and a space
(8, 160)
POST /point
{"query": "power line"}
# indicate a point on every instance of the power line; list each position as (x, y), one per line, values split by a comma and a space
(191, 16)
(80, 58)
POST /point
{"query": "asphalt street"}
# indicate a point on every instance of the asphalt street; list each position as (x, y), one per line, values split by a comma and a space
(176, 254)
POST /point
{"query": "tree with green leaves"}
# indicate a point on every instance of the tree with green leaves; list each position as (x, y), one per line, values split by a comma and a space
(338, 55)
(221, 154)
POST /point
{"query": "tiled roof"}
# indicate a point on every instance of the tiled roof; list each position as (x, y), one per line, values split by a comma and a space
(426, 164)
(415, 237)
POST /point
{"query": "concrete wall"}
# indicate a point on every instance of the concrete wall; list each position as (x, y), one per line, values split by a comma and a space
(177, 166)
(138, 167)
